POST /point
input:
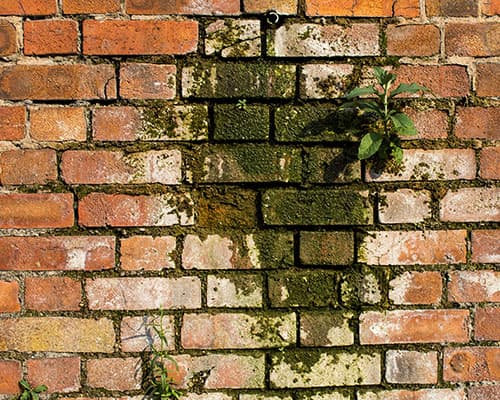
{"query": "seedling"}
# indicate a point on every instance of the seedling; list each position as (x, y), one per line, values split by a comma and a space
(30, 393)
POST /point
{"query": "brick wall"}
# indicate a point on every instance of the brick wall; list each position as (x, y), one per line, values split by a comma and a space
(182, 155)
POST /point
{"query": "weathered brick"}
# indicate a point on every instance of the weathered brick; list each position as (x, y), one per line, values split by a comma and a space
(233, 38)
(324, 81)
(70, 253)
(471, 364)
(491, 8)
(472, 39)
(8, 33)
(360, 287)
(414, 326)
(237, 331)
(28, 7)
(114, 373)
(37, 210)
(451, 8)
(411, 366)
(138, 334)
(9, 297)
(487, 323)
(190, 7)
(143, 293)
(27, 167)
(430, 124)
(483, 204)
(57, 334)
(58, 124)
(139, 37)
(488, 79)
(478, 123)
(55, 293)
(60, 375)
(12, 122)
(44, 37)
(324, 368)
(316, 207)
(314, 40)
(416, 288)
(486, 246)
(490, 163)
(101, 209)
(326, 248)
(483, 392)
(147, 253)
(331, 165)
(413, 40)
(280, 6)
(404, 206)
(147, 81)
(10, 375)
(474, 286)
(116, 123)
(423, 394)
(262, 397)
(90, 6)
(407, 248)
(232, 122)
(363, 8)
(208, 396)
(325, 329)
(231, 290)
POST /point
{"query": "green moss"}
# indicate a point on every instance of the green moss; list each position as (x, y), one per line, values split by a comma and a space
(275, 249)
(326, 165)
(233, 123)
(301, 362)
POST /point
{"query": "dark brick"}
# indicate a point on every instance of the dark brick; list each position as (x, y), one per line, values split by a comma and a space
(241, 123)
(326, 248)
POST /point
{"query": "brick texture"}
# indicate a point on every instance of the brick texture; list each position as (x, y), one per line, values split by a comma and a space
(52, 294)
(58, 124)
(8, 32)
(45, 37)
(60, 375)
(25, 167)
(12, 122)
(9, 297)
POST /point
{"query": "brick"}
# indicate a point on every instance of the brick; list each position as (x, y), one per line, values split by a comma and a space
(232, 291)
(482, 205)
(363, 8)
(491, 8)
(326, 248)
(8, 43)
(472, 39)
(234, 123)
(12, 122)
(356, 288)
(28, 7)
(27, 167)
(60, 375)
(208, 396)
(451, 8)
(285, 7)
(101, 209)
(331, 165)
(230, 80)
(414, 326)
(114, 373)
(237, 331)
(9, 297)
(490, 163)
(486, 246)
(147, 81)
(326, 369)
(211, 7)
(471, 364)
(139, 37)
(423, 394)
(316, 207)
(262, 397)
(413, 40)
(41, 210)
(430, 124)
(116, 123)
(138, 334)
(57, 82)
(10, 375)
(416, 288)
(147, 253)
(57, 334)
(404, 206)
(487, 323)
(50, 37)
(233, 38)
(411, 366)
(58, 124)
(90, 6)
(483, 392)
(324, 81)
(52, 294)
(325, 329)
(314, 40)
(474, 286)
(478, 123)
(488, 79)
(143, 293)
(409, 248)
(72, 253)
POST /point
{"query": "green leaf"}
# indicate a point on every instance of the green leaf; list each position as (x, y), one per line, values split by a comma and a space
(403, 124)
(397, 154)
(361, 91)
(25, 395)
(41, 388)
(383, 77)
(408, 88)
(24, 384)
(369, 145)
(35, 396)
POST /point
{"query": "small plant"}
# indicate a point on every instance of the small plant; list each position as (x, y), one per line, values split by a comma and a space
(382, 141)
(30, 393)
(241, 105)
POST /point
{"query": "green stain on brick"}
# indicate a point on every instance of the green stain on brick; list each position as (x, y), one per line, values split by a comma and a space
(233, 123)
(326, 165)
(275, 249)
(326, 248)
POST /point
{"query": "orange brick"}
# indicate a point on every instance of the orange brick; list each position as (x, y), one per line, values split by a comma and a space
(116, 123)
(491, 7)
(28, 7)
(8, 35)
(485, 392)
(488, 79)
(52, 294)
(10, 375)
(451, 8)
(471, 364)
(12, 122)
(478, 123)
(413, 40)
(147, 253)
(363, 8)
(482, 205)
(472, 39)
(195, 7)
(58, 124)
(486, 246)
(26, 167)
(90, 6)
(115, 373)
(137, 333)
(423, 394)
(474, 286)
(147, 81)
(262, 6)
(487, 323)
(490, 163)
(60, 375)
(45, 37)
(9, 297)
(416, 288)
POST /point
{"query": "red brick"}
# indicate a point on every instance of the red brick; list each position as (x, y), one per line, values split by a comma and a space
(116, 123)
(207, 7)
(144, 293)
(486, 246)
(58, 124)
(114, 373)
(472, 39)
(326, 248)
(416, 288)
(263, 6)
(326, 329)
(145, 37)
(57, 253)
(414, 326)
(411, 367)
(147, 253)
(413, 40)
(8, 38)
(9, 297)
(423, 394)
(491, 7)
(46, 36)
(57, 82)
(474, 286)
(28, 7)
(483, 204)
(60, 375)
(451, 8)
(234, 290)
(10, 375)
(52, 294)
(138, 333)
(147, 81)
(363, 8)
(430, 124)
(488, 79)
(41, 210)
(484, 392)
(471, 364)
(490, 163)
(478, 123)
(487, 323)
(404, 206)
(12, 122)
(100, 209)
(25, 167)
(90, 6)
